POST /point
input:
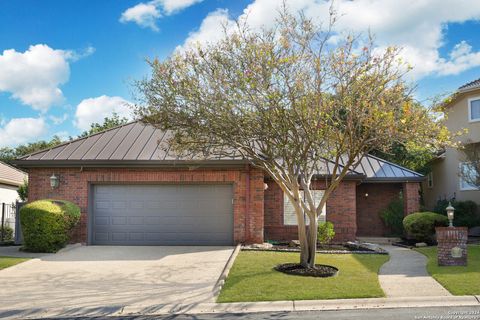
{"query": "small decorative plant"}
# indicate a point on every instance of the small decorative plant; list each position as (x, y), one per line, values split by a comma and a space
(6, 234)
(325, 232)
(393, 215)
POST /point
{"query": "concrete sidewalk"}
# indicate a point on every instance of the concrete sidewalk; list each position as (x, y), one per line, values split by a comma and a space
(405, 275)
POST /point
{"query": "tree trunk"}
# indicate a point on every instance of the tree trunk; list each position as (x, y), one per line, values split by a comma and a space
(312, 240)
(307, 235)
(302, 235)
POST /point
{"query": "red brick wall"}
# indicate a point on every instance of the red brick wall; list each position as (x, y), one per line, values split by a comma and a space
(411, 197)
(341, 211)
(74, 186)
(369, 222)
(274, 227)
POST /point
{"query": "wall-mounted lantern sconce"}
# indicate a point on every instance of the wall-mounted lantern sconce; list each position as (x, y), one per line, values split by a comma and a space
(450, 214)
(366, 195)
(54, 181)
(265, 186)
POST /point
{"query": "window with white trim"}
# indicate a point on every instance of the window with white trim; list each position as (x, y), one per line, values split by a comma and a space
(430, 180)
(289, 216)
(474, 109)
(467, 174)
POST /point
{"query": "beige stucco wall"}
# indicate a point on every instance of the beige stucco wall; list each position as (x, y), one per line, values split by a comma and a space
(445, 170)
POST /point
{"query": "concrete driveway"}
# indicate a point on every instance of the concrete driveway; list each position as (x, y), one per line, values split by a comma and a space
(99, 276)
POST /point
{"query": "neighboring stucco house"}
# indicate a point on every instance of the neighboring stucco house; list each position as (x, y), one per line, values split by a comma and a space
(10, 179)
(132, 190)
(445, 181)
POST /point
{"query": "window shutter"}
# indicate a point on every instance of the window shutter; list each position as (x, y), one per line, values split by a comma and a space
(289, 217)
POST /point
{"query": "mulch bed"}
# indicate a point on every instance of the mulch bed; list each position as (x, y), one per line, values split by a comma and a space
(322, 249)
(320, 270)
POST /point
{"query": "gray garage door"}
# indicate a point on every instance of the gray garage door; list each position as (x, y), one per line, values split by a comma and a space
(162, 215)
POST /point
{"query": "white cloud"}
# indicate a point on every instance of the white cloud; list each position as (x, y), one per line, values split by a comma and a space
(34, 77)
(211, 29)
(96, 109)
(416, 26)
(63, 135)
(22, 130)
(173, 6)
(58, 120)
(77, 55)
(146, 14)
(461, 58)
(143, 14)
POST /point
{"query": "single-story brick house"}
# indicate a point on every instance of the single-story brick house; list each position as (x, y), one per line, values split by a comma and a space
(133, 191)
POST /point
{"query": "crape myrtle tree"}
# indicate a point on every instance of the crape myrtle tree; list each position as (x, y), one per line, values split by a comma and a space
(287, 100)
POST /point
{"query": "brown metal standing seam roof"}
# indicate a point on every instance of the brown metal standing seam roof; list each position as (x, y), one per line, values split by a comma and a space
(139, 142)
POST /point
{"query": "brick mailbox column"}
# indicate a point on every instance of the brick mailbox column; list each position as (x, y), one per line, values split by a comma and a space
(452, 246)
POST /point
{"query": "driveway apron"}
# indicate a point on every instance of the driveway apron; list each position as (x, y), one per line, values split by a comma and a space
(91, 276)
(405, 275)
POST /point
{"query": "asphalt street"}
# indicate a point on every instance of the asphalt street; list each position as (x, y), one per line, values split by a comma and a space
(431, 313)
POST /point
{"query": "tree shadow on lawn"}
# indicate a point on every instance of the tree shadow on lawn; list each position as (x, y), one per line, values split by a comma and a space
(253, 278)
(372, 261)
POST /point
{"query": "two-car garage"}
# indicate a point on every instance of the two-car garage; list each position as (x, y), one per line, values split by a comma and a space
(133, 189)
(161, 214)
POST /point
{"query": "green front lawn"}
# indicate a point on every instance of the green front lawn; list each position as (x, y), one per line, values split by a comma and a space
(252, 278)
(6, 262)
(457, 280)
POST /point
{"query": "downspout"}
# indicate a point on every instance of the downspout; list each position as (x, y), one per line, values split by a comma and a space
(247, 203)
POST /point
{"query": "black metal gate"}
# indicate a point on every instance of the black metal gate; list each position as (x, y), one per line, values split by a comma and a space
(7, 226)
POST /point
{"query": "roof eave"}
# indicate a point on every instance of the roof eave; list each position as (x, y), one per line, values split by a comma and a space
(465, 90)
(394, 180)
(459, 93)
(356, 176)
(11, 182)
(127, 163)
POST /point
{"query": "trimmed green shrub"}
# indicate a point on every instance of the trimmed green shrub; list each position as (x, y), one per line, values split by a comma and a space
(467, 213)
(421, 225)
(46, 224)
(393, 216)
(6, 233)
(325, 232)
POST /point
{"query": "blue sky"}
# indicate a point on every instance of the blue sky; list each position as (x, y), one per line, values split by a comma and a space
(66, 63)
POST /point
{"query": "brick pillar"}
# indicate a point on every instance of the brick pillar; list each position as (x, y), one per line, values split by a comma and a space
(411, 197)
(255, 219)
(452, 246)
(342, 211)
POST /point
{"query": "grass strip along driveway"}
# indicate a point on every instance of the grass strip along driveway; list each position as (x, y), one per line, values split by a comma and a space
(6, 262)
(252, 278)
(457, 280)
